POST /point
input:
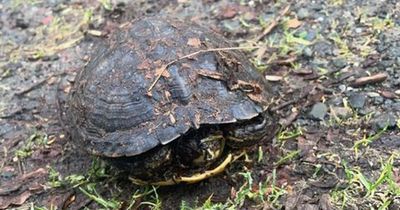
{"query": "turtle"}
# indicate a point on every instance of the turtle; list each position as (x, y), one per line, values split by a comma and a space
(168, 101)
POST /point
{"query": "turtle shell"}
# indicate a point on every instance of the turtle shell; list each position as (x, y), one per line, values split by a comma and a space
(115, 111)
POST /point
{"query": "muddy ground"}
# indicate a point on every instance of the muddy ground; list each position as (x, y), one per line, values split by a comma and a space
(334, 64)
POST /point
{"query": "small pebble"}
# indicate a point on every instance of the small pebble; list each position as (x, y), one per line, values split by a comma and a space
(303, 13)
(336, 101)
(383, 120)
(378, 100)
(341, 112)
(307, 52)
(342, 88)
(357, 100)
(318, 111)
(339, 63)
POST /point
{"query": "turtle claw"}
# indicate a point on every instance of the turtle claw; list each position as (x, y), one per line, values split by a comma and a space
(190, 179)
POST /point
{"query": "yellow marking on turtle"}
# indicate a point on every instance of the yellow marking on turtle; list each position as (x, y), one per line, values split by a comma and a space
(190, 179)
(212, 154)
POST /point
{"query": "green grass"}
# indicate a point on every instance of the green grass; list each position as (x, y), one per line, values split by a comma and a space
(336, 2)
(291, 43)
(353, 120)
(36, 140)
(260, 194)
(55, 179)
(106, 4)
(341, 43)
(377, 192)
(365, 141)
(289, 133)
(98, 175)
(288, 157)
(90, 191)
(379, 24)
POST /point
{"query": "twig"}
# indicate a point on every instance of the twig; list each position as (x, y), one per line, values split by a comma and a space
(35, 85)
(274, 23)
(302, 95)
(284, 104)
(31, 87)
(164, 67)
(336, 81)
(380, 77)
(288, 60)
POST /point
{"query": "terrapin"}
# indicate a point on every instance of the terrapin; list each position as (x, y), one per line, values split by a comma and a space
(168, 101)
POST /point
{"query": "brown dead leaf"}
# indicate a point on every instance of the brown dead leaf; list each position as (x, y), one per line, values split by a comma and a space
(18, 190)
(304, 144)
(52, 80)
(256, 97)
(163, 71)
(144, 65)
(210, 74)
(229, 12)
(158, 62)
(167, 94)
(186, 66)
(67, 89)
(38, 173)
(260, 52)
(248, 87)
(388, 94)
(194, 42)
(36, 187)
(294, 23)
(21, 181)
(14, 200)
